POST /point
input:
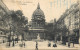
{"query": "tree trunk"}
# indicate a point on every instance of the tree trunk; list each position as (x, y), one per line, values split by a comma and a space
(17, 38)
(55, 39)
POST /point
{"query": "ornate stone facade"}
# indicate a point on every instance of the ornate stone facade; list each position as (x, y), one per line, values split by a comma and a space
(37, 24)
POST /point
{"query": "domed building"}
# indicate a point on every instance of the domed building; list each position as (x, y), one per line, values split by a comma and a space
(38, 18)
(37, 24)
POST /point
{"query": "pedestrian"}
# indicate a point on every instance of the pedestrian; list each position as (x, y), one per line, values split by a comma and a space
(24, 44)
(55, 45)
(21, 45)
(73, 41)
(36, 46)
(69, 44)
(69, 40)
(49, 44)
(3, 41)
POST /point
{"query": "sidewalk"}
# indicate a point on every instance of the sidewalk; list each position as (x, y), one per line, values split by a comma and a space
(71, 45)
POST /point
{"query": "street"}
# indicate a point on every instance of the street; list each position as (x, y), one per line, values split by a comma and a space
(31, 45)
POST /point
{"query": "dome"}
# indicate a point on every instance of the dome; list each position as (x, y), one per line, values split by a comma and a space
(38, 11)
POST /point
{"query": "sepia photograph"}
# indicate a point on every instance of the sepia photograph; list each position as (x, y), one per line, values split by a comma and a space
(39, 24)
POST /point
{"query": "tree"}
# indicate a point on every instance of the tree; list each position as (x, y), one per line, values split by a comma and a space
(64, 31)
(19, 22)
(49, 31)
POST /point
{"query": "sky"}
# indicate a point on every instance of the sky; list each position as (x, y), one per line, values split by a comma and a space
(52, 8)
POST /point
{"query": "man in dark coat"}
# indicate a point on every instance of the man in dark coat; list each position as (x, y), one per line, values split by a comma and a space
(54, 45)
(49, 44)
(36, 45)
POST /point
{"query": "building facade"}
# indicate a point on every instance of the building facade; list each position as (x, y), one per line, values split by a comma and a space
(70, 19)
(4, 19)
(37, 24)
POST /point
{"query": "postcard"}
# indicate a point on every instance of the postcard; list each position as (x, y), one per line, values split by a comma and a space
(39, 24)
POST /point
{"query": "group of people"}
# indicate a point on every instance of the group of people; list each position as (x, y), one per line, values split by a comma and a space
(23, 45)
(49, 45)
(54, 45)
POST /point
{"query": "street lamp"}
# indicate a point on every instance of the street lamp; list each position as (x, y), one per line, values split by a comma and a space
(10, 28)
(17, 38)
(10, 35)
(13, 39)
(69, 31)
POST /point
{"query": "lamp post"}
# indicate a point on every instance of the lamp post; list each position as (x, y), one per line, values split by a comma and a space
(17, 38)
(16, 34)
(10, 36)
(13, 39)
(69, 31)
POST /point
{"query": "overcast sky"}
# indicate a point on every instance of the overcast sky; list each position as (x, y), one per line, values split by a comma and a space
(51, 8)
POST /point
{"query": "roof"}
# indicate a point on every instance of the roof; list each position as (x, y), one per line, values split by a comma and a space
(38, 11)
(4, 7)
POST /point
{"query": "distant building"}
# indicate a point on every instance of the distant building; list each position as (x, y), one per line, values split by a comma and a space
(37, 24)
